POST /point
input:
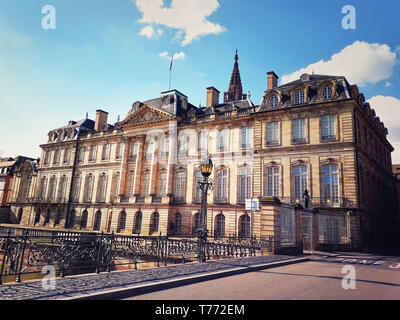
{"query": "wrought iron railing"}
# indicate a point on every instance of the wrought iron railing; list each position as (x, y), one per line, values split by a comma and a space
(78, 253)
(323, 202)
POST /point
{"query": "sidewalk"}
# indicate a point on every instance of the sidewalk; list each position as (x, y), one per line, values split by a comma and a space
(114, 285)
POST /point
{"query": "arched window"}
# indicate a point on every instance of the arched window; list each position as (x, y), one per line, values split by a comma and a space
(155, 218)
(84, 219)
(71, 219)
(121, 221)
(327, 93)
(244, 226)
(97, 221)
(58, 217)
(219, 225)
(138, 222)
(273, 101)
(196, 223)
(102, 188)
(178, 223)
(47, 217)
(180, 183)
(37, 217)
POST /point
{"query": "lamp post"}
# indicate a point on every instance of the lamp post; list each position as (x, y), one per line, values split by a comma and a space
(205, 184)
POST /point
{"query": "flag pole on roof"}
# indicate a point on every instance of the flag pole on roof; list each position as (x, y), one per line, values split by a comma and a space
(170, 71)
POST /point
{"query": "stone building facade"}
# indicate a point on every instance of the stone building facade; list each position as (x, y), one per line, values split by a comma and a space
(313, 142)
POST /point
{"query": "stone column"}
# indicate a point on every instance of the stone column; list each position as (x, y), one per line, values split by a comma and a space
(124, 166)
(154, 168)
(138, 165)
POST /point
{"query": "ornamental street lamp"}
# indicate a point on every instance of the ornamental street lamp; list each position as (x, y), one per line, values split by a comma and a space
(205, 184)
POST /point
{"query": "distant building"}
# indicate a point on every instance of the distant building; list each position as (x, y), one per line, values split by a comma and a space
(313, 142)
(8, 168)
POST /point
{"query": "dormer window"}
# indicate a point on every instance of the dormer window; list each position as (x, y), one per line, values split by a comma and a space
(327, 93)
(299, 96)
(273, 101)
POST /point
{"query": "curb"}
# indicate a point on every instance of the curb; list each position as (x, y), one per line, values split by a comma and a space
(168, 284)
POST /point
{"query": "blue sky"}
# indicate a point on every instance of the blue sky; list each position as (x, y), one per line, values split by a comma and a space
(108, 54)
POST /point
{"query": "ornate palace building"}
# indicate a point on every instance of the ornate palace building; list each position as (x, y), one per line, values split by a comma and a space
(314, 142)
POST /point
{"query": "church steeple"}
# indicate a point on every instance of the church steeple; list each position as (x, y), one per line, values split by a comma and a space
(235, 90)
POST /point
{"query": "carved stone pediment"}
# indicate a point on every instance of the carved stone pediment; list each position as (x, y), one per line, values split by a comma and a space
(147, 115)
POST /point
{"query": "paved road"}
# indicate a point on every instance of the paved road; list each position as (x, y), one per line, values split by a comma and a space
(309, 280)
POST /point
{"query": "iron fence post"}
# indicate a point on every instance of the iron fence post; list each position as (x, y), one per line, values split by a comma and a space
(98, 251)
(110, 251)
(22, 257)
(4, 256)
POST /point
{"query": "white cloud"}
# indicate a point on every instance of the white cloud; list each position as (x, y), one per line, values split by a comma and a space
(388, 110)
(187, 16)
(361, 63)
(388, 84)
(148, 32)
(177, 56)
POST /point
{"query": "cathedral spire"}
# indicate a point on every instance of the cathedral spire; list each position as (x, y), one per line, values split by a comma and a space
(235, 90)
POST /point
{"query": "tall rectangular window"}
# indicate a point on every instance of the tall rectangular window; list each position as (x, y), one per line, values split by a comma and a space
(106, 152)
(299, 130)
(183, 147)
(81, 154)
(247, 137)
(56, 160)
(76, 188)
(162, 185)
(180, 183)
(300, 176)
(273, 133)
(67, 156)
(272, 182)
(120, 150)
(203, 145)
(328, 127)
(146, 185)
(150, 150)
(222, 186)
(331, 183)
(244, 184)
(92, 153)
(134, 150)
(224, 140)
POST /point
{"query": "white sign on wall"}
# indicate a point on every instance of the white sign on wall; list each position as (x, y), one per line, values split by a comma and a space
(256, 204)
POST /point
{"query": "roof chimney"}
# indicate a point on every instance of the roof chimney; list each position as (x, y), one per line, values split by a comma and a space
(101, 120)
(212, 97)
(272, 80)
